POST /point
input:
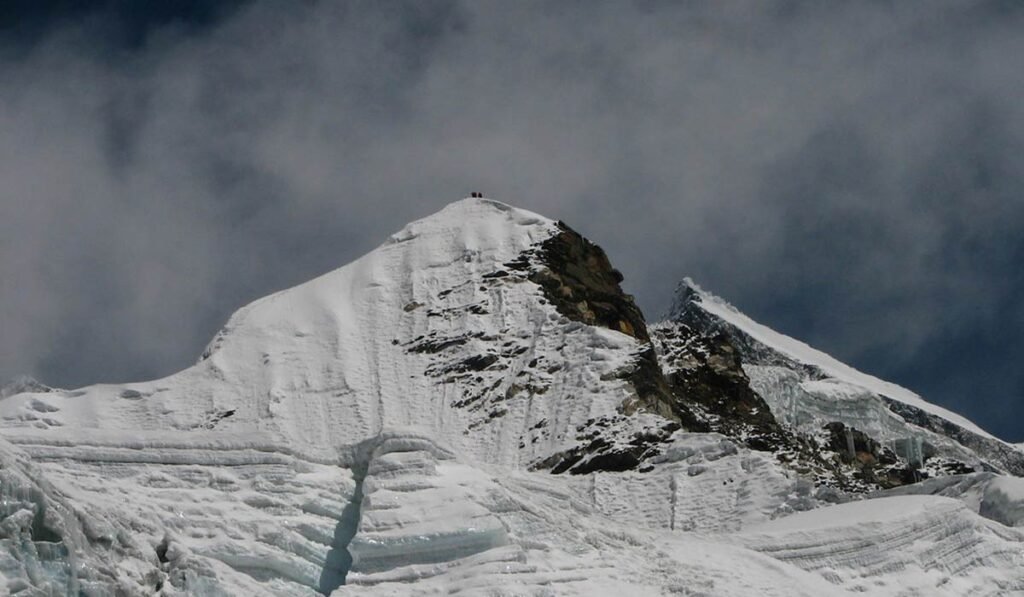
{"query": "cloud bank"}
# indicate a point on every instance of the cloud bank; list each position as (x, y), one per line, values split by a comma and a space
(850, 174)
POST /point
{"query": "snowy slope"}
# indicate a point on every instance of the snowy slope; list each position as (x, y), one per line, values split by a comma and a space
(996, 497)
(431, 334)
(912, 545)
(391, 428)
(380, 343)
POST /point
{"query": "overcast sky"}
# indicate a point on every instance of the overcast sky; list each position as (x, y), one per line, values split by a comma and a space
(851, 174)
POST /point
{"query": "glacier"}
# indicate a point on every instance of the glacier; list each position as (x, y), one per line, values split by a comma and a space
(475, 407)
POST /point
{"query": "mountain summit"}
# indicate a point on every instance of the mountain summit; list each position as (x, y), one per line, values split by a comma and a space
(476, 406)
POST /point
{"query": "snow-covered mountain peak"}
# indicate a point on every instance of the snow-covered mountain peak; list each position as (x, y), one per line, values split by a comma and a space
(401, 426)
(473, 235)
(688, 291)
(503, 334)
(807, 388)
(689, 295)
(475, 220)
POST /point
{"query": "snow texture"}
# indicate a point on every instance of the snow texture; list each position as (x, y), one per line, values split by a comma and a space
(375, 432)
(995, 497)
(911, 545)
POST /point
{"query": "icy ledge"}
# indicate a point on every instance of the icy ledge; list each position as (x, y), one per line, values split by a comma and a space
(887, 546)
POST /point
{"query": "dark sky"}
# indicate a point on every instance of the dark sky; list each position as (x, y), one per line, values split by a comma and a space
(851, 174)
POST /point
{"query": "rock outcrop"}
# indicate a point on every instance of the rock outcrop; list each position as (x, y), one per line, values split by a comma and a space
(576, 276)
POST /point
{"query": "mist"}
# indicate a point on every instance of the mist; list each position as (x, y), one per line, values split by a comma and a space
(852, 175)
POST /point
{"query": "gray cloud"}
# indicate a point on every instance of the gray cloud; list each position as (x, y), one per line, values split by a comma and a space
(850, 174)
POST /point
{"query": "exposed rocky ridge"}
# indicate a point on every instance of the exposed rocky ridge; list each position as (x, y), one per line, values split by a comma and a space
(576, 276)
(581, 283)
(687, 310)
(706, 373)
(490, 371)
(695, 379)
(688, 371)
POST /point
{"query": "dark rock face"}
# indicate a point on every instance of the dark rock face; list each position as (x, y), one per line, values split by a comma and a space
(706, 375)
(699, 384)
(853, 445)
(583, 286)
(600, 455)
(576, 276)
(581, 283)
(687, 310)
(703, 358)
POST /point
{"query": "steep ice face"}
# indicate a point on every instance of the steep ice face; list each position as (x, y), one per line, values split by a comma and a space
(53, 542)
(30, 521)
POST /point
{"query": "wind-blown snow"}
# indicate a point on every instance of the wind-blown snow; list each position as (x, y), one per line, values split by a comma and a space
(372, 432)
